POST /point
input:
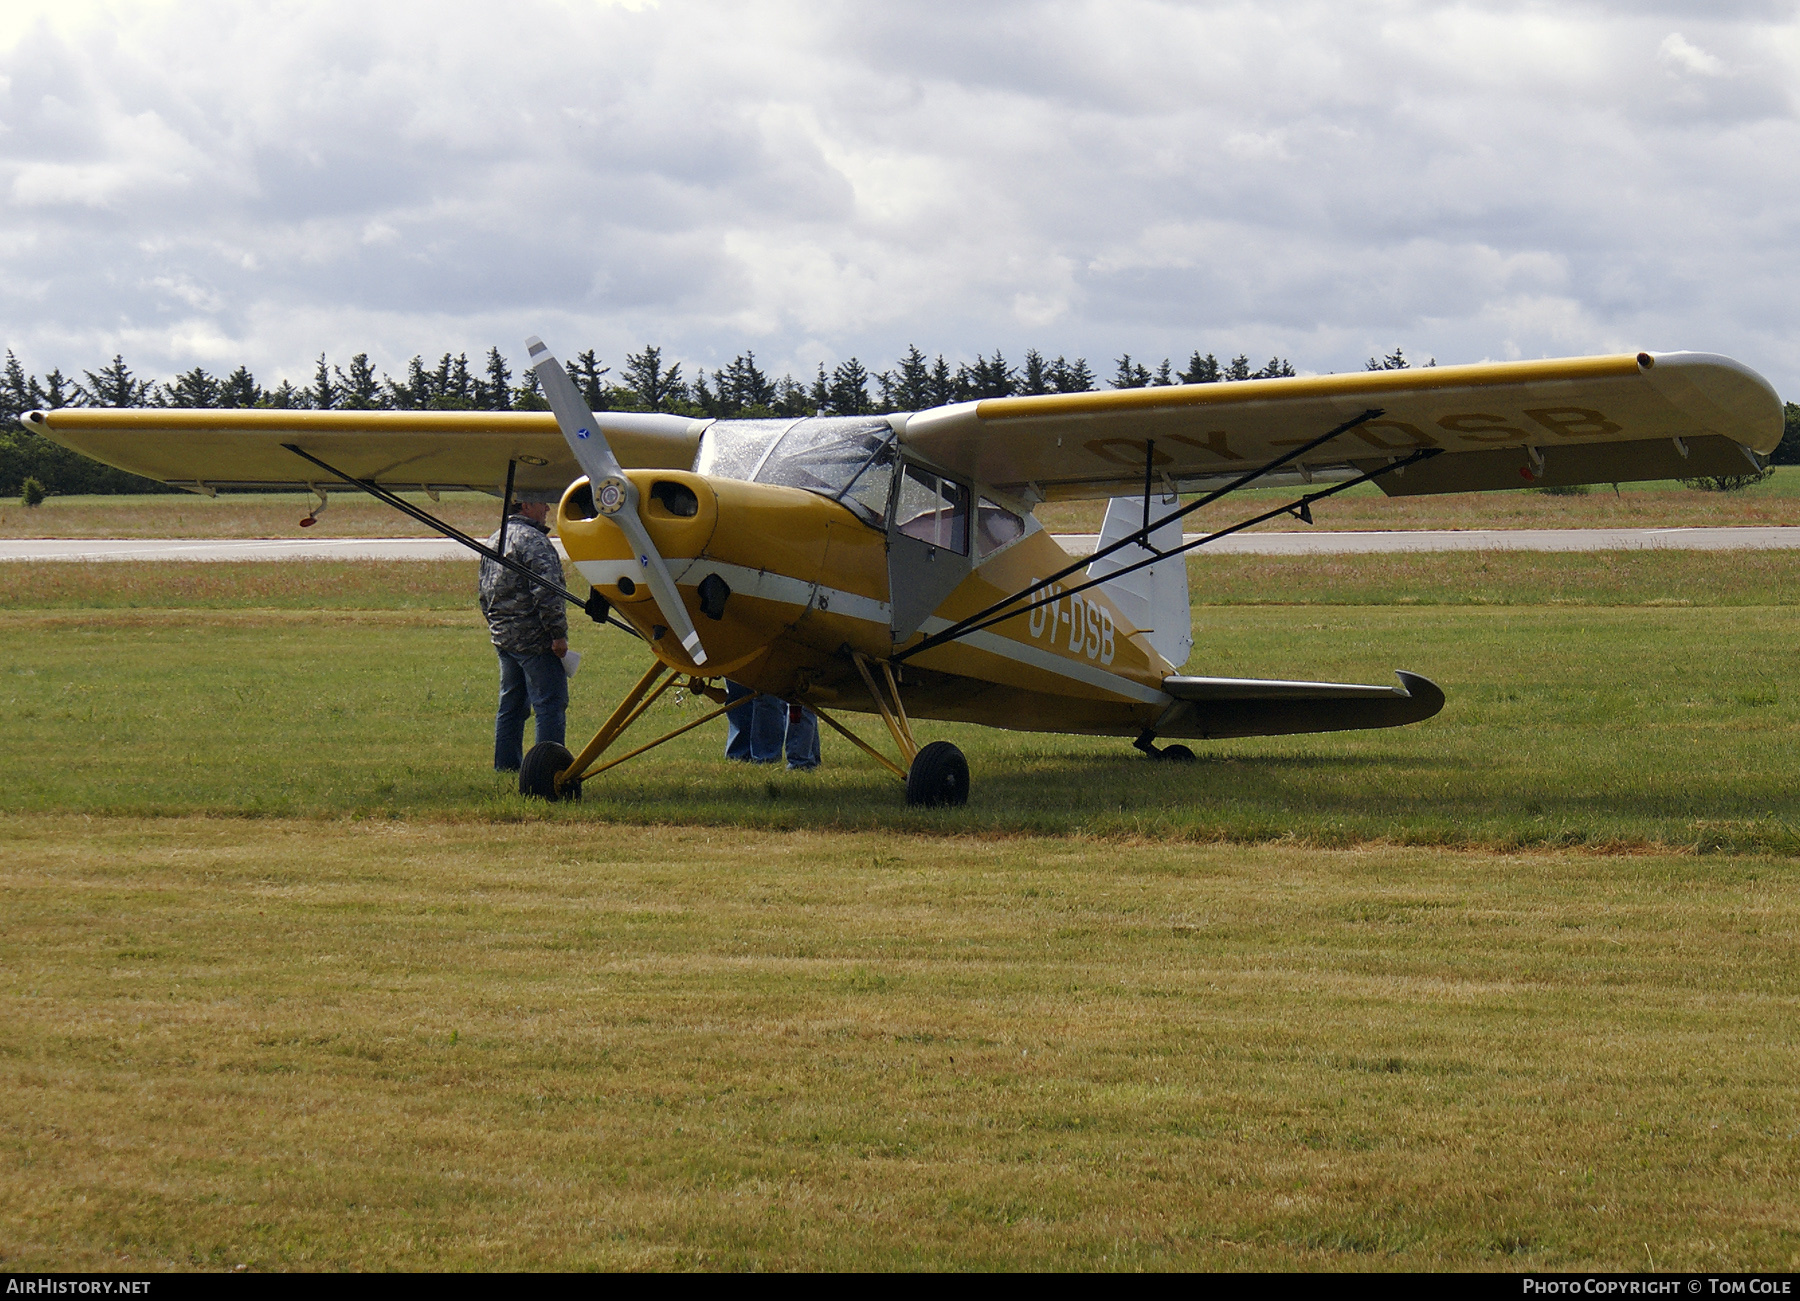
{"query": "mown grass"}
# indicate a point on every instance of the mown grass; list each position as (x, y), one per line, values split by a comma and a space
(1666, 504)
(1631, 700)
(427, 1045)
(1671, 578)
(351, 514)
(289, 980)
(1658, 504)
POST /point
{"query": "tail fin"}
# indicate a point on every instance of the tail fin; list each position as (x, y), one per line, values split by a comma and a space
(1154, 598)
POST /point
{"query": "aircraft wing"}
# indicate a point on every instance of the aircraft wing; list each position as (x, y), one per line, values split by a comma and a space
(1208, 708)
(207, 449)
(1500, 425)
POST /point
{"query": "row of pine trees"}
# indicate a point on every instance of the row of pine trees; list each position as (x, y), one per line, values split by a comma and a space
(645, 381)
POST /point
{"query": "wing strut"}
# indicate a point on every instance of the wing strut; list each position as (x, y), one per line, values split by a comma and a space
(1303, 507)
(594, 605)
(982, 618)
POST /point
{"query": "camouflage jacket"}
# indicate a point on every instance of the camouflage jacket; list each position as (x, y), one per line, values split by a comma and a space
(523, 618)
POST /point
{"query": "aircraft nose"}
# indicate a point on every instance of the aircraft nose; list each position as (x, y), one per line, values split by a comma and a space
(679, 511)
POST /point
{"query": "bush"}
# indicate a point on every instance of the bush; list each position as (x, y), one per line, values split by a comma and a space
(1564, 490)
(32, 493)
(1727, 482)
(1788, 452)
(61, 470)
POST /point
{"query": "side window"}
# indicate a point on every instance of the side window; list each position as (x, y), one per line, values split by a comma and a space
(872, 486)
(996, 527)
(933, 510)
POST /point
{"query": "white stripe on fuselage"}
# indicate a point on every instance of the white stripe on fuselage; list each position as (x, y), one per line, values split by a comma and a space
(771, 586)
(1039, 658)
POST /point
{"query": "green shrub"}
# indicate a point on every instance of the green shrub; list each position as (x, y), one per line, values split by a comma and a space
(32, 492)
(1727, 482)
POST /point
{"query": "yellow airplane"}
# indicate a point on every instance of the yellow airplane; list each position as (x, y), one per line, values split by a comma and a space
(892, 565)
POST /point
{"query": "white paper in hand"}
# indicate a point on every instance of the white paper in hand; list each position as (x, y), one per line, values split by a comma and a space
(571, 661)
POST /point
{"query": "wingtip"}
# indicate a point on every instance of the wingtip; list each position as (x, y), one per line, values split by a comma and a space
(1422, 689)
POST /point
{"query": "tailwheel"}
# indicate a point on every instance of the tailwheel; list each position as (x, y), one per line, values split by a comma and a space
(939, 777)
(537, 775)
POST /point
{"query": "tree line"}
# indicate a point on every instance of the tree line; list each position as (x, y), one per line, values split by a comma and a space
(645, 381)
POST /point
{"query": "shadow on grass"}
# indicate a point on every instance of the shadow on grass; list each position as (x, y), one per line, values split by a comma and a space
(1326, 800)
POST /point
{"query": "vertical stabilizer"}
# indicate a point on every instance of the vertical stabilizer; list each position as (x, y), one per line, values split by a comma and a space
(1154, 598)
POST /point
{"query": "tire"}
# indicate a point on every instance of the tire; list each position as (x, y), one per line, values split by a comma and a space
(1177, 754)
(939, 777)
(537, 775)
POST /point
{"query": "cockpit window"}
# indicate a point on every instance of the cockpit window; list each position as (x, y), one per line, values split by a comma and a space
(934, 510)
(868, 493)
(849, 459)
(996, 527)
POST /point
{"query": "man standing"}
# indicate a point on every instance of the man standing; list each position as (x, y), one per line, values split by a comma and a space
(757, 731)
(530, 633)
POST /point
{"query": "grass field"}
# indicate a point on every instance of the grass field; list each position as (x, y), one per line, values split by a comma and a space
(1632, 699)
(428, 1045)
(290, 980)
(257, 515)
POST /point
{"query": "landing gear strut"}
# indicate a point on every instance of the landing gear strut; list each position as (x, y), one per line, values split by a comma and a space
(936, 775)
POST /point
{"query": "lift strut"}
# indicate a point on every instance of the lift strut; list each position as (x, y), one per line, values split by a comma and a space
(1008, 607)
(594, 605)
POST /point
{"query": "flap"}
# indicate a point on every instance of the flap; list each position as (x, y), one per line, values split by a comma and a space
(1076, 445)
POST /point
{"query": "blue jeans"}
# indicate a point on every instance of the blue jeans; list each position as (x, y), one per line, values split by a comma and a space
(529, 684)
(758, 730)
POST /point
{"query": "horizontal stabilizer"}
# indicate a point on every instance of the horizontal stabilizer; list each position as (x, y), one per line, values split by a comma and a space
(1208, 708)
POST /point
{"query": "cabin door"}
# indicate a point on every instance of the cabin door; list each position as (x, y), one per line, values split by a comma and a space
(928, 546)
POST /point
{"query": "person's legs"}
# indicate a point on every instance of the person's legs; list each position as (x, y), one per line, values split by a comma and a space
(548, 683)
(768, 728)
(802, 738)
(738, 722)
(509, 721)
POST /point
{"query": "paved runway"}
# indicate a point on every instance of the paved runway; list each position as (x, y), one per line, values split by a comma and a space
(1240, 544)
(1324, 544)
(232, 549)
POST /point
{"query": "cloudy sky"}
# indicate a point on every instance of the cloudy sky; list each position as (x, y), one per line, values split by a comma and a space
(215, 181)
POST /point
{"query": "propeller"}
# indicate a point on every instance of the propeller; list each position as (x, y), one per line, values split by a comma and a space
(614, 493)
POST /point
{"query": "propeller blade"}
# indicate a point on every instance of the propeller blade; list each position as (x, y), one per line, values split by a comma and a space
(614, 493)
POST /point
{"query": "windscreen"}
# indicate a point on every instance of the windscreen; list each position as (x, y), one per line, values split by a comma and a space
(735, 449)
(849, 459)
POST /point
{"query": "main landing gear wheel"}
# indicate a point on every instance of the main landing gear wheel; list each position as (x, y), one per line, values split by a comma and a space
(537, 775)
(939, 777)
(1176, 754)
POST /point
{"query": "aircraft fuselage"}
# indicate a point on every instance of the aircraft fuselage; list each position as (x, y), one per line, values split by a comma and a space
(808, 583)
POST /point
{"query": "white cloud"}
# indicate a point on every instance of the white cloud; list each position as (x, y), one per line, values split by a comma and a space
(216, 181)
(1677, 51)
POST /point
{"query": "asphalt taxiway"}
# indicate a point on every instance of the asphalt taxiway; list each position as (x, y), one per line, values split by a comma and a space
(1239, 544)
